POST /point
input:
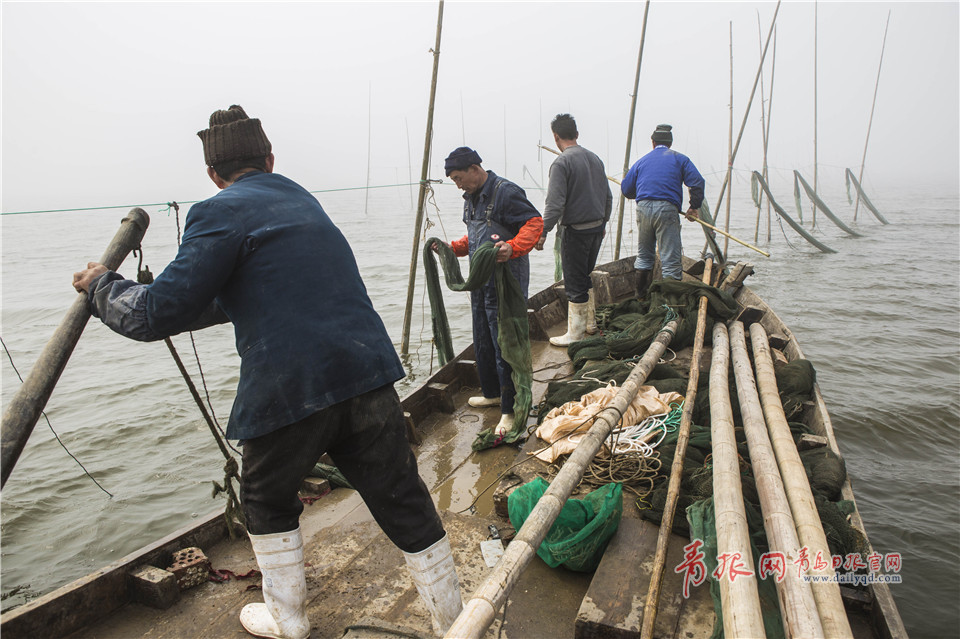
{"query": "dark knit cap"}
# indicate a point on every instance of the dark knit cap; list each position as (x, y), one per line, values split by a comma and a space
(662, 135)
(460, 159)
(233, 136)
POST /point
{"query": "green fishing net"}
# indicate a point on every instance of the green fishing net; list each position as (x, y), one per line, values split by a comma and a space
(582, 530)
(513, 335)
(639, 322)
(702, 519)
(598, 373)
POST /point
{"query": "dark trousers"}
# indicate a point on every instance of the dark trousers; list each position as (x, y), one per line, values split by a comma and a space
(578, 254)
(493, 371)
(366, 438)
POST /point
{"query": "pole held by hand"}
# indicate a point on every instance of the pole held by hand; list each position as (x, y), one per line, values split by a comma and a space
(24, 410)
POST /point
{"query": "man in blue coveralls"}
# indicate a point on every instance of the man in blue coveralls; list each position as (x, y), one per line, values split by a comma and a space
(656, 181)
(316, 372)
(494, 210)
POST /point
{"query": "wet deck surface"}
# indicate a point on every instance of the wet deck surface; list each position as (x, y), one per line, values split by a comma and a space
(355, 575)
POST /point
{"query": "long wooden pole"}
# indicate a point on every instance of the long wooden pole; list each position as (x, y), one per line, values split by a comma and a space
(676, 468)
(813, 215)
(763, 131)
(872, 107)
(24, 409)
(746, 114)
(479, 612)
(739, 598)
(799, 495)
(797, 605)
(422, 198)
(366, 198)
(726, 223)
(633, 111)
(704, 224)
(773, 70)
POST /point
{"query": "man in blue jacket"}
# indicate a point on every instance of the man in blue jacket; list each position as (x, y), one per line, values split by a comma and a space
(656, 181)
(316, 373)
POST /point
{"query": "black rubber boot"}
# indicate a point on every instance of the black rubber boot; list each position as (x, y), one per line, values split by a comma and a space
(646, 277)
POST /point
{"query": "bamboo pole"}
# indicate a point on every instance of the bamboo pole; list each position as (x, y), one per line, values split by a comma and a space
(773, 69)
(802, 504)
(726, 223)
(366, 193)
(813, 215)
(797, 605)
(746, 114)
(676, 468)
(422, 198)
(739, 599)
(479, 612)
(725, 234)
(872, 107)
(704, 224)
(24, 409)
(763, 132)
(633, 111)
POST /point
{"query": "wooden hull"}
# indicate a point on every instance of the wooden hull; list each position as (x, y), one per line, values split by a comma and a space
(353, 571)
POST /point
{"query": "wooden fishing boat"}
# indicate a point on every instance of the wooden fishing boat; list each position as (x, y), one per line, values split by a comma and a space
(357, 581)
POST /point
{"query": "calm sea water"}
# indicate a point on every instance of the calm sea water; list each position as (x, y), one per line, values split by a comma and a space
(880, 320)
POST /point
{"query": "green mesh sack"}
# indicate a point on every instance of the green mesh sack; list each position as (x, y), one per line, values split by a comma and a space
(701, 517)
(579, 536)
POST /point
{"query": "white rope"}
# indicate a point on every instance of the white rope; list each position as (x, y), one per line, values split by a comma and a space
(628, 439)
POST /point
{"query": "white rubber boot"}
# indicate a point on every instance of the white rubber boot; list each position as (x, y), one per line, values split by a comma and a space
(505, 425)
(435, 576)
(591, 314)
(283, 615)
(576, 324)
(483, 402)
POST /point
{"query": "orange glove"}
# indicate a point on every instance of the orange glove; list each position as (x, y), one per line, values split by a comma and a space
(526, 238)
(460, 247)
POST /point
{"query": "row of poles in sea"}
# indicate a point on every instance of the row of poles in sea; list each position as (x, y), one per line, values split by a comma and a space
(759, 179)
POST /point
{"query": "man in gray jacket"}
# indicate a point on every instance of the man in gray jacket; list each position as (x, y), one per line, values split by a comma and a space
(579, 201)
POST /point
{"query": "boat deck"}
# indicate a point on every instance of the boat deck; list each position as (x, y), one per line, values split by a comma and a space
(356, 577)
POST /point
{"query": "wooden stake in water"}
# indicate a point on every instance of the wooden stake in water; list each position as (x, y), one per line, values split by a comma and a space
(422, 198)
(726, 223)
(872, 107)
(633, 111)
(813, 215)
(743, 125)
(366, 197)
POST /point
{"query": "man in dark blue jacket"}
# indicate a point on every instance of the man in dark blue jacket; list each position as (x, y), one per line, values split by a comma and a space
(656, 181)
(316, 374)
(494, 210)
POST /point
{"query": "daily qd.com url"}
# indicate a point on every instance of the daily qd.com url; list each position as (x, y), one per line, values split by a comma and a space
(855, 580)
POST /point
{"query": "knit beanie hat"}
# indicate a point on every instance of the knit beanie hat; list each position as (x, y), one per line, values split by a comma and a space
(233, 136)
(461, 159)
(662, 135)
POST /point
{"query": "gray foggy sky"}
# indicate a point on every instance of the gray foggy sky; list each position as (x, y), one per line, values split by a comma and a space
(101, 101)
